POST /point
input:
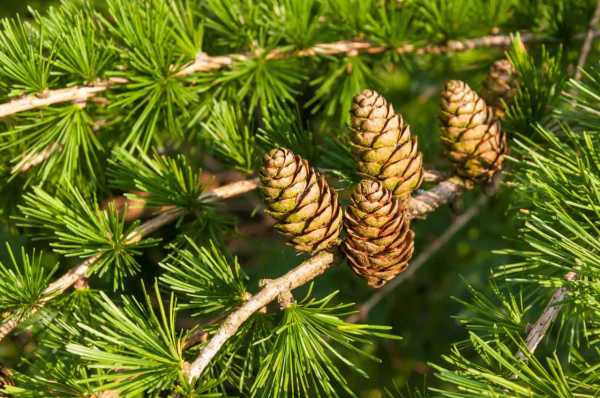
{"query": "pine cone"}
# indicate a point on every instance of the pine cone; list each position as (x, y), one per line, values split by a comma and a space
(5, 378)
(383, 145)
(500, 85)
(299, 198)
(471, 133)
(380, 242)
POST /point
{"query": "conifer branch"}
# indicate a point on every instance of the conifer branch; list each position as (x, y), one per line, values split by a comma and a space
(432, 175)
(540, 327)
(170, 215)
(430, 200)
(57, 96)
(55, 288)
(304, 273)
(136, 206)
(34, 159)
(208, 63)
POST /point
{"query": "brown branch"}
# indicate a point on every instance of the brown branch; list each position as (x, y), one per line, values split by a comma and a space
(206, 63)
(57, 96)
(55, 288)
(74, 274)
(445, 191)
(432, 175)
(586, 47)
(198, 337)
(108, 394)
(33, 159)
(432, 248)
(302, 274)
(135, 207)
(540, 327)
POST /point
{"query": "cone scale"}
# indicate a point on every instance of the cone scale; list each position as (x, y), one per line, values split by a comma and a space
(500, 86)
(5, 378)
(383, 146)
(300, 199)
(471, 133)
(380, 242)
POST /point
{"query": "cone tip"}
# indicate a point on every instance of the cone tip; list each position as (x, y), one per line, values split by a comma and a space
(454, 85)
(366, 94)
(277, 152)
(369, 186)
(502, 64)
(277, 157)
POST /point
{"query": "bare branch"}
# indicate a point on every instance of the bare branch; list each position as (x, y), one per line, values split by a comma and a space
(234, 189)
(432, 175)
(540, 327)
(51, 97)
(207, 63)
(108, 394)
(198, 337)
(30, 161)
(427, 202)
(304, 273)
(136, 206)
(586, 47)
(432, 248)
(34, 159)
(285, 299)
(55, 288)
(74, 274)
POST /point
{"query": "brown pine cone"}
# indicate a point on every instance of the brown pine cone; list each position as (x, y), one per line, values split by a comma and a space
(5, 378)
(380, 242)
(300, 199)
(500, 85)
(471, 133)
(383, 145)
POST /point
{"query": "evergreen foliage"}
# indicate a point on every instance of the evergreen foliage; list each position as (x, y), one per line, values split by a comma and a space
(119, 118)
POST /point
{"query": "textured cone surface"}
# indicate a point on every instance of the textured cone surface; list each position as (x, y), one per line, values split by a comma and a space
(5, 378)
(471, 132)
(500, 85)
(380, 242)
(383, 145)
(299, 198)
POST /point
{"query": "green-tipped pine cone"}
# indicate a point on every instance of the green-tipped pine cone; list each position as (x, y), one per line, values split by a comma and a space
(471, 133)
(383, 145)
(380, 242)
(300, 199)
(500, 85)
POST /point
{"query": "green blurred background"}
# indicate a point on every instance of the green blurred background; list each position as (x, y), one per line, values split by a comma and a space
(421, 310)
(12, 7)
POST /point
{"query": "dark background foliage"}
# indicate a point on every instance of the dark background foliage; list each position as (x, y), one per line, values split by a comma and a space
(12, 7)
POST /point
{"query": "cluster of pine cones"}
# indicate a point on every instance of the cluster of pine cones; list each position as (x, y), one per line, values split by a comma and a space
(379, 241)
